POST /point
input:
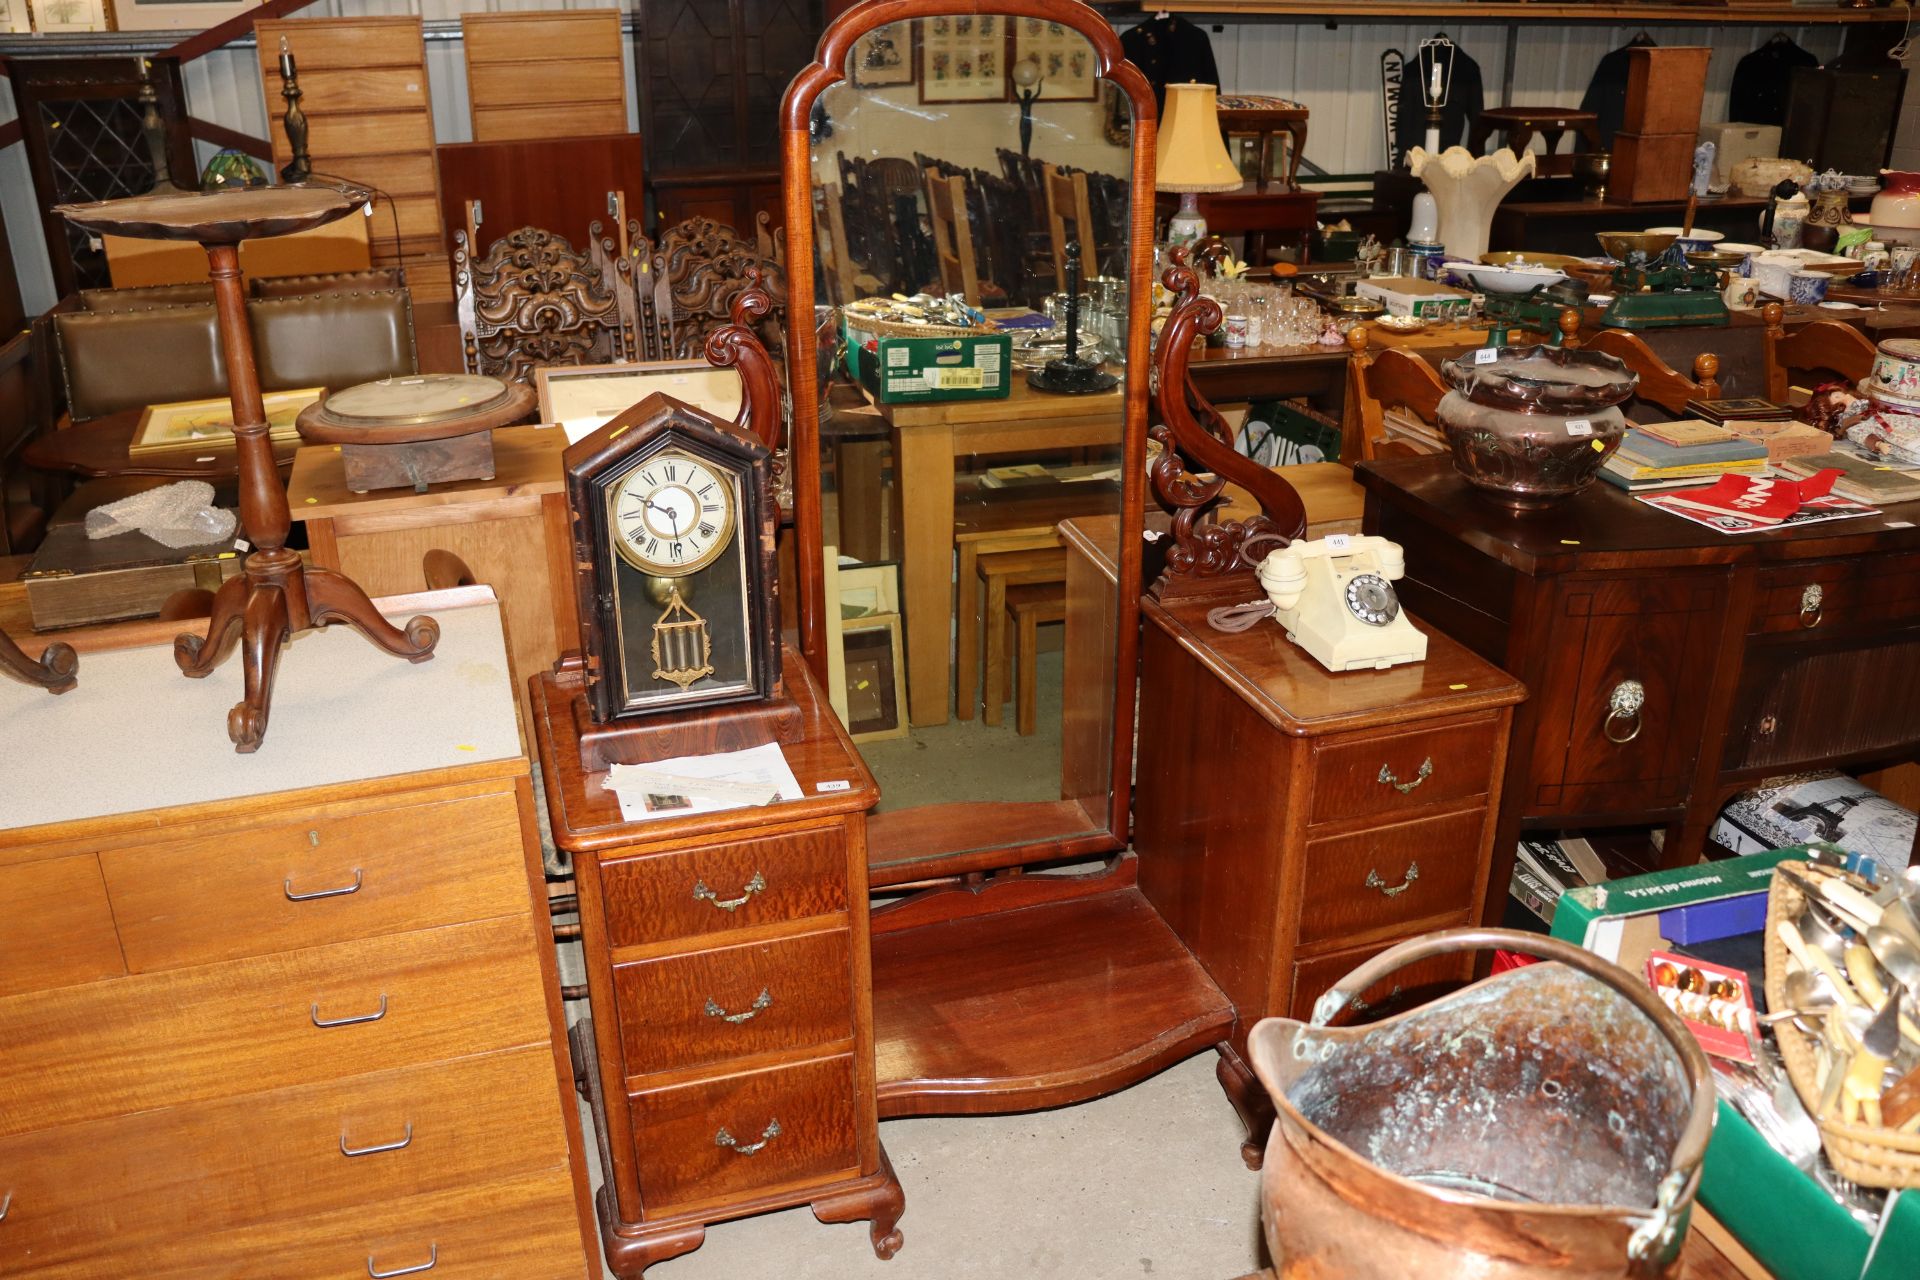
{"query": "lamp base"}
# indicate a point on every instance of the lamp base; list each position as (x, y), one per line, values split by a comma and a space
(1071, 378)
(1186, 226)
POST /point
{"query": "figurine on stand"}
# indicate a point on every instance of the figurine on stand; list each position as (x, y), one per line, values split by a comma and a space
(1702, 168)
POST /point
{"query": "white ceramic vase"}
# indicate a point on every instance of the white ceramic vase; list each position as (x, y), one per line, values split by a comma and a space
(1468, 188)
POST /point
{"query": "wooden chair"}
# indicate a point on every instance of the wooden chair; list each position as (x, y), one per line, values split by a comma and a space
(1823, 346)
(1067, 203)
(630, 270)
(1028, 607)
(953, 235)
(1660, 382)
(1394, 379)
(707, 264)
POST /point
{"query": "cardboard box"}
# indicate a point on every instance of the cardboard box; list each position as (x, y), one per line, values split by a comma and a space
(1734, 142)
(1622, 920)
(1649, 167)
(919, 370)
(1406, 296)
(1666, 85)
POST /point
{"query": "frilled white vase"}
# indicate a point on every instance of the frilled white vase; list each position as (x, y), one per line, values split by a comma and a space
(1468, 188)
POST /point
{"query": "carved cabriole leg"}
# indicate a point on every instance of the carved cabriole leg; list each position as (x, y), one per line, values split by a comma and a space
(332, 597)
(265, 631)
(1250, 1102)
(877, 1198)
(195, 655)
(54, 672)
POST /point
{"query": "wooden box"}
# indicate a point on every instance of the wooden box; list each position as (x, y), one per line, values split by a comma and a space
(1650, 167)
(415, 464)
(75, 580)
(1665, 89)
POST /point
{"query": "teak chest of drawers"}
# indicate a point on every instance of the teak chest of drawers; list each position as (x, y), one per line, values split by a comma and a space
(1291, 823)
(297, 1032)
(730, 1057)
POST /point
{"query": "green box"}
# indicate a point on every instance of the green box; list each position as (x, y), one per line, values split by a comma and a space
(921, 370)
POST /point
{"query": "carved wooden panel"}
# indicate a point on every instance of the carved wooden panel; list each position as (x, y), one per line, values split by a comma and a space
(533, 301)
(707, 265)
(545, 75)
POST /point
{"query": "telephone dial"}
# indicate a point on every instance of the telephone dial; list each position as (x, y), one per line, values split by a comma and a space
(1336, 599)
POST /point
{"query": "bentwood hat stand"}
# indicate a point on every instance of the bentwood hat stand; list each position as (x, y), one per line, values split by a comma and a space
(277, 595)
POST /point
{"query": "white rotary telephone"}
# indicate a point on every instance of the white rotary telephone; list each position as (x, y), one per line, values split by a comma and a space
(1335, 597)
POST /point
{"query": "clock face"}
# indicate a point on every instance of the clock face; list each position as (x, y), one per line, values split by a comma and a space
(673, 514)
(1370, 598)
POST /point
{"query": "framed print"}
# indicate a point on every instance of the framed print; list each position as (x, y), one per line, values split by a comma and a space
(582, 398)
(15, 17)
(884, 56)
(876, 679)
(963, 58)
(176, 15)
(70, 15)
(1065, 58)
(186, 424)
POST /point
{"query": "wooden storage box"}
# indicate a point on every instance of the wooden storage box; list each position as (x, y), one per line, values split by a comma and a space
(1649, 167)
(74, 580)
(1665, 89)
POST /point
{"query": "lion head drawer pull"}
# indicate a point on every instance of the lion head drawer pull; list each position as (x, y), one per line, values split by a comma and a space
(316, 894)
(762, 1001)
(1810, 601)
(768, 1134)
(1623, 705)
(353, 1020)
(354, 1152)
(703, 894)
(1393, 890)
(1387, 777)
(433, 1260)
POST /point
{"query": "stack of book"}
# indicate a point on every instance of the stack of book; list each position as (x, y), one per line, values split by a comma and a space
(1666, 455)
(1862, 479)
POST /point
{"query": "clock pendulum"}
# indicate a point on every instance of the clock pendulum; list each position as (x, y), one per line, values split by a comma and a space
(682, 644)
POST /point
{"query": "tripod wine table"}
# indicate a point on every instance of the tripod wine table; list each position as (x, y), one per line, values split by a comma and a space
(277, 596)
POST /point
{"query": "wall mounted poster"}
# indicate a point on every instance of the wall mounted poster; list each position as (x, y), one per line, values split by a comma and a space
(15, 16)
(1065, 58)
(884, 56)
(963, 58)
(70, 15)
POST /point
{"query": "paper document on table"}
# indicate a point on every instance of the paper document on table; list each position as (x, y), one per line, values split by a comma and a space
(703, 784)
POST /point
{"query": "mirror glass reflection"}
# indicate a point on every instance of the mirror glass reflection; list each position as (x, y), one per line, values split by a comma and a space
(965, 171)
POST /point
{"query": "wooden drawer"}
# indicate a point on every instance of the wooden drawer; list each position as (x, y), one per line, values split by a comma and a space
(688, 1010)
(660, 896)
(1391, 875)
(1820, 597)
(803, 1114)
(523, 1227)
(306, 884)
(59, 928)
(1413, 985)
(278, 1155)
(1391, 773)
(192, 1035)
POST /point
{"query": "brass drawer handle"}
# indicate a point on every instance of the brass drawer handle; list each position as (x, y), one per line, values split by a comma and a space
(1394, 890)
(1624, 703)
(703, 894)
(1810, 600)
(762, 1001)
(1388, 779)
(402, 1145)
(433, 1260)
(341, 892)
(768, 1134)
(355, 1020)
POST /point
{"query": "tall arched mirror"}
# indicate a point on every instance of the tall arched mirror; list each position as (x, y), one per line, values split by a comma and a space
(966, 541)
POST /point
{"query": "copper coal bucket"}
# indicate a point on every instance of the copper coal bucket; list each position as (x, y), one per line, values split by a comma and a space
(1545, 1122)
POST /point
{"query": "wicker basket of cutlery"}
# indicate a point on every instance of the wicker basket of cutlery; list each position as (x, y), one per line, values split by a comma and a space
(1870, 1155)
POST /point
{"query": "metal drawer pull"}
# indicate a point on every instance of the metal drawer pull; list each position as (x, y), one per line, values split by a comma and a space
(762, 1001)
(703, 894)
(323, 893)
(401, 1145)
(1810, 604)
(433, 1260)
(1394, 890)
(1624, 703)
(1387, 777)
(768, 1134)
(6, 1206)
(375, 1016)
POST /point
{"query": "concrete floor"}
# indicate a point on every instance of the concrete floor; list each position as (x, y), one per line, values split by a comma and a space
(968, 760)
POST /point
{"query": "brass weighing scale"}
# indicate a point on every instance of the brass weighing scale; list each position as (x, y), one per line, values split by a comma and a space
(416, 429)
(1655, 287)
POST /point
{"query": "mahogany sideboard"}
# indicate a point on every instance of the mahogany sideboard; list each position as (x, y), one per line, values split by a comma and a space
(290, 1014)
(1668, 665)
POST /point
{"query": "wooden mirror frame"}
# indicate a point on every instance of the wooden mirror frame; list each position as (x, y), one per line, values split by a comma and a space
(796, 112)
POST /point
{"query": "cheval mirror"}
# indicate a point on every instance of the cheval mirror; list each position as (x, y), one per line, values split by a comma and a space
(972, 148)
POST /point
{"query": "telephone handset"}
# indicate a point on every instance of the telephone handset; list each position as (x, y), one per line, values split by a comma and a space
(1336, 599)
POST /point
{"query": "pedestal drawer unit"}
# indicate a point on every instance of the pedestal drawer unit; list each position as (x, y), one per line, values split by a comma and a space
(291, 1014)
(1291, 822)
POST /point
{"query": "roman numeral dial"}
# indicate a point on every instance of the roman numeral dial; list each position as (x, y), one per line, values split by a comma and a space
(673, 514)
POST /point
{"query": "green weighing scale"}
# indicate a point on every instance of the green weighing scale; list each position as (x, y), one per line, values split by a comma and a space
(1535, 311)
(1655, 287)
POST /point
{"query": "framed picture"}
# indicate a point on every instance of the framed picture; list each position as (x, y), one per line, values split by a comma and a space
(188, 424)
(876, 679)
(15, 17)
(176, 15)
(70, 15)
(1065, 58)
(582, 398)
(963, 58)
(883, 56)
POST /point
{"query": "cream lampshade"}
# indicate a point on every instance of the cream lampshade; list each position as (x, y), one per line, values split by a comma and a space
(1191, 157)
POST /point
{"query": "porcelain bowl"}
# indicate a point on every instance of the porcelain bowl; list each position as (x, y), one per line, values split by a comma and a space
(1506, 279)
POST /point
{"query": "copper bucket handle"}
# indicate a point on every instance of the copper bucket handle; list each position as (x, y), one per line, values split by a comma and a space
(1654, 1237)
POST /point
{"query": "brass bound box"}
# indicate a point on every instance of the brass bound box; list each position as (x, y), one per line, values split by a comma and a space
(74, 580)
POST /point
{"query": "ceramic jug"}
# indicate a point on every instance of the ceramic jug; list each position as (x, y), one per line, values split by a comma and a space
(1898, 203)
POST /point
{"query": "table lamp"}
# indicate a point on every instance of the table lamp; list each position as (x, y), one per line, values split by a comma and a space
(1026, 80)
(1191, 157)
(1436, 78)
